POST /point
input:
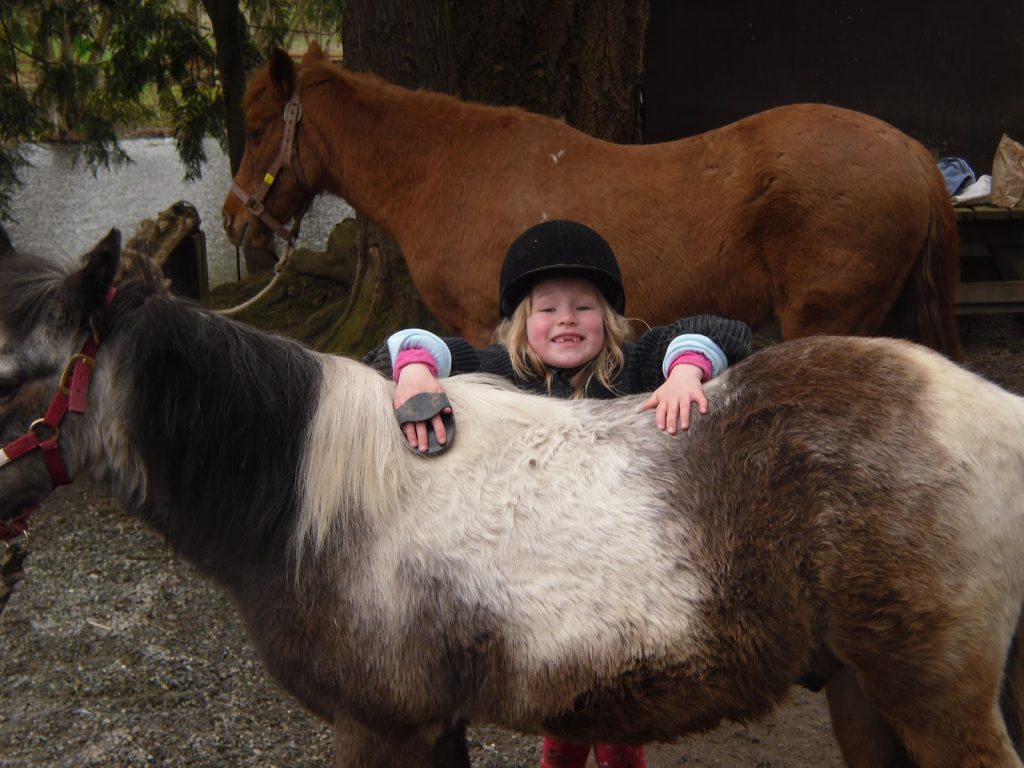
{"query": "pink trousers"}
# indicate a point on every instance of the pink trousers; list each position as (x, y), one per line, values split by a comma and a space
(556, 753)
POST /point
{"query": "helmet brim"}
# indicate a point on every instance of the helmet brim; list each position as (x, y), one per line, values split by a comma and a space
(520, 288)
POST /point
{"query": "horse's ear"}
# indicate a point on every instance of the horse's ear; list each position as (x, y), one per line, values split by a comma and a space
(6, 246)
(89, 286)
(282, 73)
(314, 52)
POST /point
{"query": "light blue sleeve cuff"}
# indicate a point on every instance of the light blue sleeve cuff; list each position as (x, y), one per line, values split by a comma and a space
(416, 338)
(695, 342)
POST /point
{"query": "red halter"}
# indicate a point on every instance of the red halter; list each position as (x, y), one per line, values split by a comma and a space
(44, 433)
(287, 157)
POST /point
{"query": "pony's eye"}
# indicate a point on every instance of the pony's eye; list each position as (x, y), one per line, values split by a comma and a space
(253, 137)
(8, 388)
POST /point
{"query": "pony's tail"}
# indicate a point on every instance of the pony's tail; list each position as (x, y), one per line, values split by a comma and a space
(925, 310)
(1011, 696)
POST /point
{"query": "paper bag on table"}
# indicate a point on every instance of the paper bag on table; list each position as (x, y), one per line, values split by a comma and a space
(1007, 173)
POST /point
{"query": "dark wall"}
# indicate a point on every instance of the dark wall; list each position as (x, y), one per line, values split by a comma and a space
(950, 74)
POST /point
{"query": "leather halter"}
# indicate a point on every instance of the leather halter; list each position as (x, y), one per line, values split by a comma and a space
(287, 157)
(44, 433)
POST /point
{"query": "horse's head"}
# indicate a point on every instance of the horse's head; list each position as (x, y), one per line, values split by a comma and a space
(270, 187)
(49, 320)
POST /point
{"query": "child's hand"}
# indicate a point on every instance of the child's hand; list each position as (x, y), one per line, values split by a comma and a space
(415, 379)
(673, 398)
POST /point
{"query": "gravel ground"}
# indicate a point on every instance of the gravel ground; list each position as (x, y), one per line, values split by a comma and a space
(117, 654)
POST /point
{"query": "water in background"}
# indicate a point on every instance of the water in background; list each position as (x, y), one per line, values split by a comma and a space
(63, 208)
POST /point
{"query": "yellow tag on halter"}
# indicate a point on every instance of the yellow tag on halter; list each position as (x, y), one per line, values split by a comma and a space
(268, 179)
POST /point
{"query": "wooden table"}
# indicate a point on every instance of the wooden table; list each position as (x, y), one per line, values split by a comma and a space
(991, 259)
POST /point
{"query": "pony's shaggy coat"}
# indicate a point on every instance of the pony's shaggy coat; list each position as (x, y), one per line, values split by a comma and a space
(848, 513)
(809, 217)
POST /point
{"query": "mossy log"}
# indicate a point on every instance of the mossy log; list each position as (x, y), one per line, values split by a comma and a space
(333, 300)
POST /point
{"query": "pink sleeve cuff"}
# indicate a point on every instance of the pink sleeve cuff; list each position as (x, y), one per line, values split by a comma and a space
(407, 356)
(693, 358)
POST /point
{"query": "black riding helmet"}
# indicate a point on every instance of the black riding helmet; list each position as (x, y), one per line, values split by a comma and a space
(554, 249)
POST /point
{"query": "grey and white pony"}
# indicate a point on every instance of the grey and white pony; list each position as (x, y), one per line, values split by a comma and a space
(849, 514)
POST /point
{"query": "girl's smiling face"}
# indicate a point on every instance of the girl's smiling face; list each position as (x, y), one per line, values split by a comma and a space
(565, 326)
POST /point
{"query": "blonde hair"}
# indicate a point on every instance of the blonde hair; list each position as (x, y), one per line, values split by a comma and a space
(511, 333)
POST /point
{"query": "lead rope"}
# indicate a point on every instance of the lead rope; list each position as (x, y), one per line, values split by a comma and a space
(278, 271)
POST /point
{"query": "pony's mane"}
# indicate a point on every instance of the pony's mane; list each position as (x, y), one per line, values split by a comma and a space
(360, 469)
(357, 464)
(32, 284)
(362, 474)
(27, 284)
(228, 402)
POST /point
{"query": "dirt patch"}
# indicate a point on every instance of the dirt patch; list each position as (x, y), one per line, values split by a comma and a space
(116, 653)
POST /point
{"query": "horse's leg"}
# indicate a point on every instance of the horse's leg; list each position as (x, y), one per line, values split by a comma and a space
(477, 334)
(865, 737)
(356, 746)
(830, 301)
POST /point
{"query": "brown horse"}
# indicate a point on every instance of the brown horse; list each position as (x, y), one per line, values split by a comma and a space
(865, 532)
(816, 218)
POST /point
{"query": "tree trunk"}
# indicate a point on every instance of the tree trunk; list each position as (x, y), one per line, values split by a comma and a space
(580, 60)
(406, 42)
(229, 36)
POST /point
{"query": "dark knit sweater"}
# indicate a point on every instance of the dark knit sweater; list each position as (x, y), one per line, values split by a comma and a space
(641, 370)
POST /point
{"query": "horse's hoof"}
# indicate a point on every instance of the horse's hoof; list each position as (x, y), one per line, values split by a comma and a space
(424, 407)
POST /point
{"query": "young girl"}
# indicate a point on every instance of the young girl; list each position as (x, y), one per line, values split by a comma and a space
(563, 334)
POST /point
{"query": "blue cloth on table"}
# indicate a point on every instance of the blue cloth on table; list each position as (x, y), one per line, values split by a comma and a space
(956, 172)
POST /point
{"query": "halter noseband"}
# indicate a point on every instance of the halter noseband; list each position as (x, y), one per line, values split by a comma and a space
(287, 157)
(44, 433)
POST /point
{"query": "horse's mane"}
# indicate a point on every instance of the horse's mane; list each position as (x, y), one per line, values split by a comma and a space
(319, 78)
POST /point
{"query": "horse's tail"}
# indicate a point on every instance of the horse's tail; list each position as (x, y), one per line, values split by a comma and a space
(925, 310)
